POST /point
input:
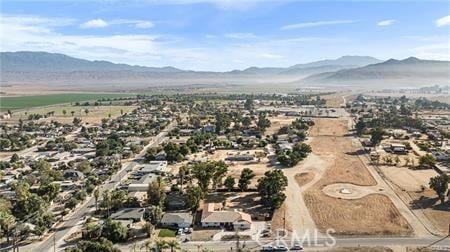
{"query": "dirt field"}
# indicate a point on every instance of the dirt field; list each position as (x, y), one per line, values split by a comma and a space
(334, 100)
(276, 122)
(95, 114)
(357, 216)
(235, 168)
(344, 165)
(408, 179)
(437, 213)
(248, 202)
(304, 178)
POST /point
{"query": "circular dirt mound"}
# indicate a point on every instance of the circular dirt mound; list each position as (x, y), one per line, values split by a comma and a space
(349, 191)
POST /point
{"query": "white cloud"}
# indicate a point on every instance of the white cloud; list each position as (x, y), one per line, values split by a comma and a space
(315, 24)
(94, 23)
(271, 56)
(239, 35)
(144, 24)
(100, 23)
(386, 22)
(443, 21)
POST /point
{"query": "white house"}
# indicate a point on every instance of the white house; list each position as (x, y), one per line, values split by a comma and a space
(224, 219)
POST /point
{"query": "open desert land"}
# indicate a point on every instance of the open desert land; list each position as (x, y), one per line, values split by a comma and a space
(371, 214)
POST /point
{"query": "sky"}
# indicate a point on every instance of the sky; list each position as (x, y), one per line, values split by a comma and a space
(222, 35)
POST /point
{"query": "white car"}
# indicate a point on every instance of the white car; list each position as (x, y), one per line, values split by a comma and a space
(267, 248)
(280, 248)
(297, 247)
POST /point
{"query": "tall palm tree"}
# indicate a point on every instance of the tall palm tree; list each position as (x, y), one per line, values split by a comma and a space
(160, 245)
(96, 196)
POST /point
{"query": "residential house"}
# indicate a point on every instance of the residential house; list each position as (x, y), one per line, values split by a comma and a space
(228, 219)
(73, 175)
(177, 220)
(129, 214)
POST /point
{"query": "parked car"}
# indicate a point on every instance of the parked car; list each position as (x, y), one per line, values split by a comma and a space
(280, 248)
(267, 248)
(297, 247)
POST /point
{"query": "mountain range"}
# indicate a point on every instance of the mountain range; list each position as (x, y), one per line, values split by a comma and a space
(54, 68)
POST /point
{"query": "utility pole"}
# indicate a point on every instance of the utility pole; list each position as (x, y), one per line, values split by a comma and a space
(238, 249)
(54, 242)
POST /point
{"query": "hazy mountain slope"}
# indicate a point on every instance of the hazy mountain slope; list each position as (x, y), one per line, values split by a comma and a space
(55, 62)
(345, 61)
(410, 69)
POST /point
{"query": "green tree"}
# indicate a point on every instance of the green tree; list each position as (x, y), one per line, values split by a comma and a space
(101, 245)
(223, 121)
(427, 161)
(194, 195)
(376, 136)
(246, 121)
(271, 188)
(49, 191)
(155, 213)
(114, 231)
(244, 180)
(64, 112)
(76, 121)
(219, 171)
(173, 245)
(172, 150)
(14, 158)
(84, 167)
(263, 123)
(248, 105)
(96, 197)
(229, 183)
(440, 185)
(360, 126)
(156, 194)
(7, 222)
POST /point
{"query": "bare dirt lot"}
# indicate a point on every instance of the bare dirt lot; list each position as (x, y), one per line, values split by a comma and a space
(95, 113)
(437, 213)
(248, 202)
(235, 167)
(358, 216)
(276, 122)
(344, 165)
(408, 179)
(304, 178)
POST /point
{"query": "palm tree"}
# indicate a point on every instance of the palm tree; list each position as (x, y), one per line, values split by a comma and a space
(96, 195)
(173, 245)
(160, 245)
(72, 112)
(64, 112)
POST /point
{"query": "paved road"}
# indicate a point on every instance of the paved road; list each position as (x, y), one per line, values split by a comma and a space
(444, 245)
(76, 218)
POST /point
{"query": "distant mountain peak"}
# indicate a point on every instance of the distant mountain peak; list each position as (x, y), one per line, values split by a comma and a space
(57, 62)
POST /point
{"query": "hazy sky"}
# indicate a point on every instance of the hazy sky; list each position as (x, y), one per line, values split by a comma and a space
(226, 34)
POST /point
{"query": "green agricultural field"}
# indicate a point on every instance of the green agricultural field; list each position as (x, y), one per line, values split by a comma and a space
(24, 102)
